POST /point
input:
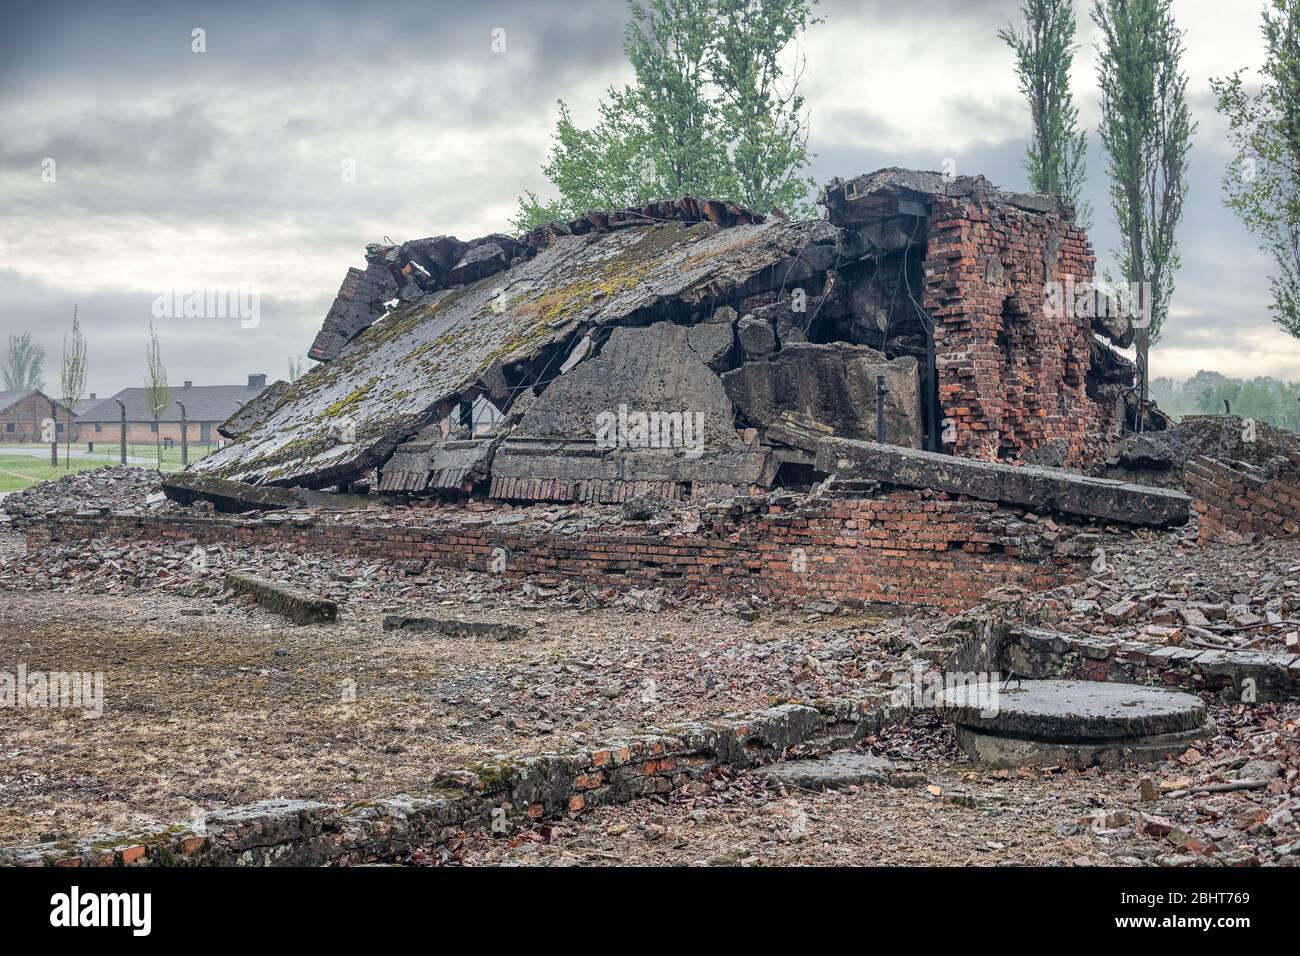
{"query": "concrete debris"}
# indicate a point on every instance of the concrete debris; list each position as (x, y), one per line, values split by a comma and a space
(230, 497)
(1040, 489)
(297, 605)
(1159, 457)
(1070, 710)
(645, 506)
(254, 412)
(808, 392)
(454, 627)
(1007, 752)
(769, 332)
(829, 773)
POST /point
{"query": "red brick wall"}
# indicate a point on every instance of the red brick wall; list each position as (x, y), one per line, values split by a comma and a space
(26, 418)
(1235, 501)
(142, 433)
(911, 548)
(1011, 376)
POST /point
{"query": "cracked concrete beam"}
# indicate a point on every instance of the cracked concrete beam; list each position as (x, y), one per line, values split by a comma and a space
(1043, 490)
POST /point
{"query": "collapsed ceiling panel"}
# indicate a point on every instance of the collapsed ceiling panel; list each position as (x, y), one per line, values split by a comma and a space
(772, 335)
(400, 373)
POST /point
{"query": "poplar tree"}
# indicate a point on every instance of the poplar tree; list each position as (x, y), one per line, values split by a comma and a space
(73, 378)
(1056, 156)
(1146, 129)
(1263, 184)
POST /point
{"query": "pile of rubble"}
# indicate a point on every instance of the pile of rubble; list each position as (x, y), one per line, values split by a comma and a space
(111, 488)
(695, 350)
(941, 810)
(1235, 804)
(1171, 592)
(1159, 457)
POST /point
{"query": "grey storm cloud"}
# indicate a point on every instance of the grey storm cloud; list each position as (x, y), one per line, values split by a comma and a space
(226, 168)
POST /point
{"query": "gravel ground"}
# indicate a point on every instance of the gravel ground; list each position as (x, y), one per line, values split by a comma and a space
(954, 815)
(211, 702)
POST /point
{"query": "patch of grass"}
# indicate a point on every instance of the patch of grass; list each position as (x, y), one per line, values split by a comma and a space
(19, 471)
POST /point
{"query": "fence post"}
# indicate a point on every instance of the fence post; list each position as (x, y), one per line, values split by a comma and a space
(122, 405)
(185, 438)
(54, 435)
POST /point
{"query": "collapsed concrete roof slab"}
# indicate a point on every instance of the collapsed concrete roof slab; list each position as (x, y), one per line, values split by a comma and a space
(538, 469)
(864, 197)
(229, 497)
(946, 279)
(647, 410)
(805, 389)
(390, 381)
(649, 371)
(254, 412)
(360, 299)
(1045, 490)
(430, 463)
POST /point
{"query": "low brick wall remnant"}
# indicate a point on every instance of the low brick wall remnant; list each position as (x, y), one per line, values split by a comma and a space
(911, 548)
(495, 796)
(1237, 501)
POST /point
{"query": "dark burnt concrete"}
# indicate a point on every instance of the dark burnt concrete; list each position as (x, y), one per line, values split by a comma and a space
(832, 386)
(1044, 490)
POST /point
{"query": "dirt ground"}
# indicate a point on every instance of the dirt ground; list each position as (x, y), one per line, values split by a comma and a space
(973, 820)
(211, 703)
(955, 814)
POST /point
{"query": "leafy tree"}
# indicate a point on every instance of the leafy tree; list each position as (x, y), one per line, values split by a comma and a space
(1263, 185)
(156, 393)
(1058, 148)
(762, 113)
(1264, 399)
(73, 377)
(606, 167)
(23, 362)
(1147, 132)
(711, 112)
(669, 45)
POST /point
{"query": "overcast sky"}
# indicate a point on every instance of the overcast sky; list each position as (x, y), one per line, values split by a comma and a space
(226, 169)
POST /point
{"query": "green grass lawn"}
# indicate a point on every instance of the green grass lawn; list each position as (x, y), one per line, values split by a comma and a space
(21, 471)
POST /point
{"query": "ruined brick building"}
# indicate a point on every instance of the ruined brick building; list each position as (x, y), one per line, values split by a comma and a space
(696, 349)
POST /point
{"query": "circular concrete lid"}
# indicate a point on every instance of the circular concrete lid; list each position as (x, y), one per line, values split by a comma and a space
(1071, 709)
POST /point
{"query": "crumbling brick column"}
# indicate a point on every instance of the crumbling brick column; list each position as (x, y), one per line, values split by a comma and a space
(1012, 373)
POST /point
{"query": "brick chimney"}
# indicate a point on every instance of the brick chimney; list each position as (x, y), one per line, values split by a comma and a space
(257, 381)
